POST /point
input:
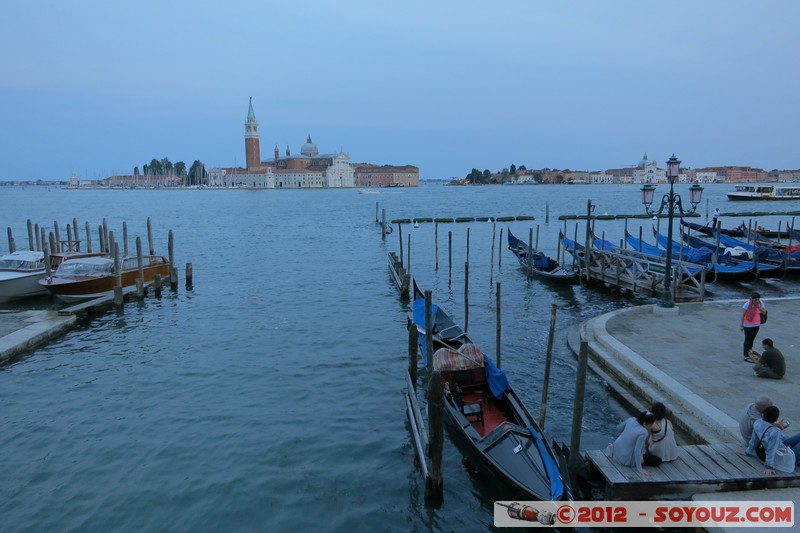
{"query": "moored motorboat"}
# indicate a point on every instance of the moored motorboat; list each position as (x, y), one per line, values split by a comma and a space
(537, 264)
(86, 278)
(20, 273)
(487, 414)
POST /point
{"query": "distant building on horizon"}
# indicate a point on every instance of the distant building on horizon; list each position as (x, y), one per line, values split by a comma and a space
(309, 170)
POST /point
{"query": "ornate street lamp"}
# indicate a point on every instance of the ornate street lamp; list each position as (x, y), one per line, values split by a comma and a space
(672, 202)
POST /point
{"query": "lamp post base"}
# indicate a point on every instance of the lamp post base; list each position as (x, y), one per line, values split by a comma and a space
(666, 311)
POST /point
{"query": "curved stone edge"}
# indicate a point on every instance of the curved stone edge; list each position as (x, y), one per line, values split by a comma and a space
(635, 375)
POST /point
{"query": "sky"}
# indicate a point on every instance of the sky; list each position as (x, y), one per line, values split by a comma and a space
(96, 88)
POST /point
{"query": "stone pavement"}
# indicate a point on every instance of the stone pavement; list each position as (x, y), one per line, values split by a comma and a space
(692, 362)
(21, 331)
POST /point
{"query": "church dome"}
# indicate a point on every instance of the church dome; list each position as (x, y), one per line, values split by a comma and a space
(645, 162)
(309, 148)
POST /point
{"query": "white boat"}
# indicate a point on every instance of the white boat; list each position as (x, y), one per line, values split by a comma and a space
(765, 192)
(20, 273)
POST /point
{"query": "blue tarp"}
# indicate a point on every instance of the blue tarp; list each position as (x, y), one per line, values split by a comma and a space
(419, 320)
(553, 472)
(495, 378)
(540, 260)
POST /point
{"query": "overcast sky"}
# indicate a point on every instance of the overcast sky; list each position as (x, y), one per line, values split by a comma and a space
(97, 87)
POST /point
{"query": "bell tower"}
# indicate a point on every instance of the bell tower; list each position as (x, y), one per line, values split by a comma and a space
(252, 149)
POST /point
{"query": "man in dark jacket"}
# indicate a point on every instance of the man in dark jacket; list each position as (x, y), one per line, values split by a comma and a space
(770, 363)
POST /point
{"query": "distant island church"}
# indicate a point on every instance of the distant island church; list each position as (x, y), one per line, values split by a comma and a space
(309, 170)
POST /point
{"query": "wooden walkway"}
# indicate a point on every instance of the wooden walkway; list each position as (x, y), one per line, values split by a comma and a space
(706, 468)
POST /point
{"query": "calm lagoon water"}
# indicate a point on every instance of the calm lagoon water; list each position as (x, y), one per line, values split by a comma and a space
(268, 397)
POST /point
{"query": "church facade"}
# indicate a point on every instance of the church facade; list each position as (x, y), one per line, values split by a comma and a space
(308, 170)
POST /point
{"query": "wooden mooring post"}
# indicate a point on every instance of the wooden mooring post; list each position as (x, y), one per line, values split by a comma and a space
(449, 258)
(429, 327)
(466, 297)
(467, 245)
(88, 238)
(151, 247)
(500, 250)
(125, 238)
(434, 485)
(188, 274)
(30, 235)
(491, 260)
(38, 237)
(70, 243)
(400, 236)
(436, 244)
(101, 239)
(104, 230)
(118, 296)
(77, 231)
(47, 268)
(157, 285)
(139, 264)
(498, 332)
(58, 236)
(173, 270)
(12, 247)
(408, 263)
(577, 411)
(383, 224)
(413, 352)
(547, 364)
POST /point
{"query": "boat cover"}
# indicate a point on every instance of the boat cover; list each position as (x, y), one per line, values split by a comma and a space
(553, 472)
(540, 260)
(419, 320)
(466, 357)
(495, 378)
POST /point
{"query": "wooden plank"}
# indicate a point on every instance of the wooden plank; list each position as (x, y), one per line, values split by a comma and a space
(748, 465)
(671, 471)
(682, 467)
(731, 460)
(716, 458)
(714, 470)
(700, 471)
(606, 466)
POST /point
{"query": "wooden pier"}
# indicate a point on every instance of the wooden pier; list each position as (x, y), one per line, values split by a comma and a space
(636, 272)
(705, 468)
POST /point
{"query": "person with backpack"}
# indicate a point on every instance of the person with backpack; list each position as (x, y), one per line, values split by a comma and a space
(766, 443)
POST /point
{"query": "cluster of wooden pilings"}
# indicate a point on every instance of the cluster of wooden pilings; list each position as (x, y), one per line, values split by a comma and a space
(49, 241)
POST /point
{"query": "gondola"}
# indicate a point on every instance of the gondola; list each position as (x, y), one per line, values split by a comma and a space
(486, 413)
(539, 265)
(732, 253)
(738, 231)
(723, 268)
(786, 259)
(722, 271)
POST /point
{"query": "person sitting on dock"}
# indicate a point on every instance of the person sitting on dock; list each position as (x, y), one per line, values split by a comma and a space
(770, 363)
(777, 456)
(630, 448)
(753, 412)
(662, 435)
